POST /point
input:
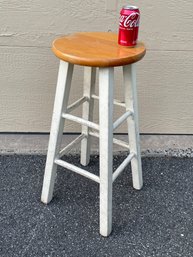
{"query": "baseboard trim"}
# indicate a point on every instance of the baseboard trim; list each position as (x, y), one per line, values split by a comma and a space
(151, 145)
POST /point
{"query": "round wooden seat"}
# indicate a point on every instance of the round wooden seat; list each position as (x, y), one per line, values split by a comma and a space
(97, 49)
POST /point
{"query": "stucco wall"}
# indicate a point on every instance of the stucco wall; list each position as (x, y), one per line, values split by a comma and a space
(28, 69)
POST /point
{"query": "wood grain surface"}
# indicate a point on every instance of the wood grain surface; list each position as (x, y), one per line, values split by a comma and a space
(96, 49)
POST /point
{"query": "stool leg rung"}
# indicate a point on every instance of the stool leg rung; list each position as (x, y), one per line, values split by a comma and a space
(76, 104)
(120, 120)
(122, 166)
(115, 141)
(115, 101)
(77, 170)
(80, 120)
(67, 148)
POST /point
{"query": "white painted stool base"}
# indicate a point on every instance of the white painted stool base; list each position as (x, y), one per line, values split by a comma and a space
(103, 130)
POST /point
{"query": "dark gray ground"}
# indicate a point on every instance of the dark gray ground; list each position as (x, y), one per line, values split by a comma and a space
(156, 221)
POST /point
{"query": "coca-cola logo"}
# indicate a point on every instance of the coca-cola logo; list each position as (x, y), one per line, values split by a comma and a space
(130, 21)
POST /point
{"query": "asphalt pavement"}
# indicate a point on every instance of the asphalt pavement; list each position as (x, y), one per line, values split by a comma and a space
(155, 221)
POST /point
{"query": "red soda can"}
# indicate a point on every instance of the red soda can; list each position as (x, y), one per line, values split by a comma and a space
(128, 25)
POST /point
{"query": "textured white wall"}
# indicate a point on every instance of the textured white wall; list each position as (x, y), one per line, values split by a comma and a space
(28, 69)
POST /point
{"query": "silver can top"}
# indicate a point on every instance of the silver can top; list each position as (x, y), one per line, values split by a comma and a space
(130, 7)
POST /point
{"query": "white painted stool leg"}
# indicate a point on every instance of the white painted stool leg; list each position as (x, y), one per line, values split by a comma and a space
(106, 91)
(60, 105)
(129, 75)
(87, 112)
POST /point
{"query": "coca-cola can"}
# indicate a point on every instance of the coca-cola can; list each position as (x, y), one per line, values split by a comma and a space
(129, 25)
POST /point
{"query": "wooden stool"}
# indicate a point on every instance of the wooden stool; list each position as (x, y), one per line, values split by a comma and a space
(95, 49)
